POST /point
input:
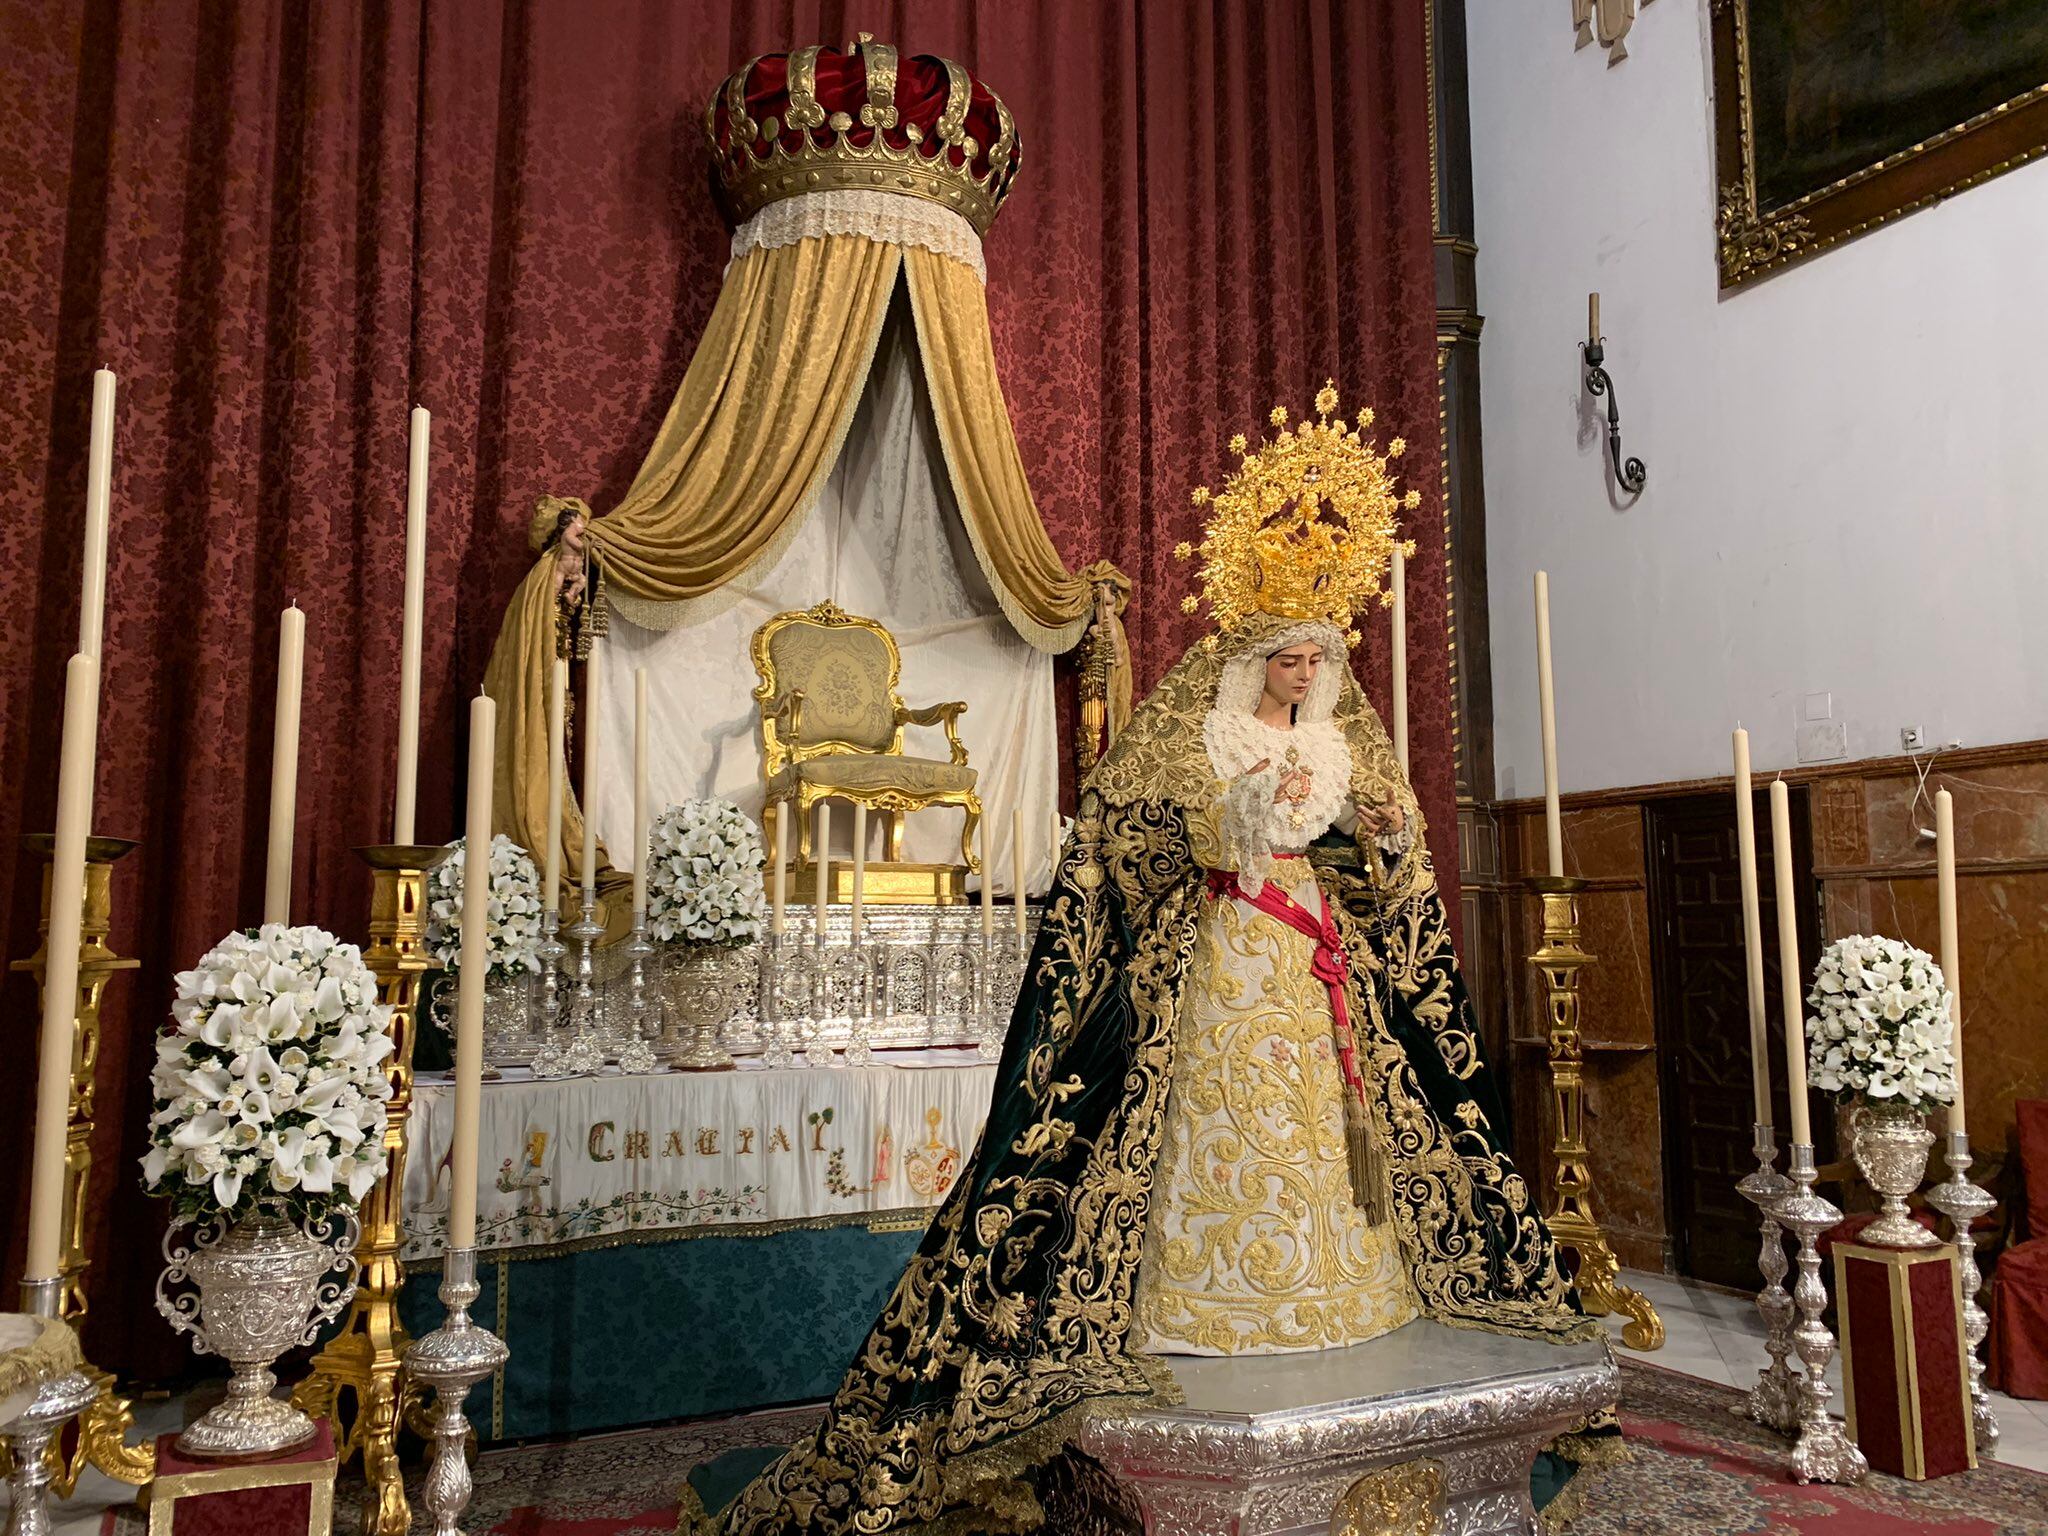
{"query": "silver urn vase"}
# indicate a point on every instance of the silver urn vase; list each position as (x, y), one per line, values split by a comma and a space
(707, 986)
(515, 1026)
(1890, 1143)
(248, 1291)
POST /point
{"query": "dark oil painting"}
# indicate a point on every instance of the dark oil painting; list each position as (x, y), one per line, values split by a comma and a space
(1838, 85)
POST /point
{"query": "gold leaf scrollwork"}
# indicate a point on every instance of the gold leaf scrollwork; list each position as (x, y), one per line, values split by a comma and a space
(1403, 1500)
(1750, 242)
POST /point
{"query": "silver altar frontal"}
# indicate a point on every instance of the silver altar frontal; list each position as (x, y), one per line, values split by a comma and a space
(1270, 1445)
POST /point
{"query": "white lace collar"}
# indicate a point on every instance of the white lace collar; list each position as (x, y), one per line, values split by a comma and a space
(1236, 741)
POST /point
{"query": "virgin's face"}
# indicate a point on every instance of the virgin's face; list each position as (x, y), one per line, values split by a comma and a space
(1290, 673)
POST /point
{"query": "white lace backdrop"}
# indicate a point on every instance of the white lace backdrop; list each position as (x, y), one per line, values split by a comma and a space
(884, 540)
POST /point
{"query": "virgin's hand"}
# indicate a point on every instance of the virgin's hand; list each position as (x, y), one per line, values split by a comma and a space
(1382, 818)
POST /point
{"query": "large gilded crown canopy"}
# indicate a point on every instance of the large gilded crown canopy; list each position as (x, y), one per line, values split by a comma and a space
(1306, 526)
(862, 119)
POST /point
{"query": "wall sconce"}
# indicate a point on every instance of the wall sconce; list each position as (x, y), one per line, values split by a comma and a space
(1631, 472)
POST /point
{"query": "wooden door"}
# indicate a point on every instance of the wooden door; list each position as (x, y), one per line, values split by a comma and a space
(1703, 1019)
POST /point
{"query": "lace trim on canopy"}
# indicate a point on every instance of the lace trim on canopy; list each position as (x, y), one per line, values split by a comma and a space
(885, 216)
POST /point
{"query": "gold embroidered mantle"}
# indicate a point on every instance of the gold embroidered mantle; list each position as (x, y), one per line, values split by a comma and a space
(1018, 1307)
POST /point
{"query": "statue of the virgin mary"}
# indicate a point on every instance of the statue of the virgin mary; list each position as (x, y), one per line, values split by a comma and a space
(1242, 1105)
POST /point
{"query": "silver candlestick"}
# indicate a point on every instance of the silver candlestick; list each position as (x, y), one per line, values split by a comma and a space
(28, 1434)
(1824, 1453)
(585, 933)
(638, 1053)
(584, 1052)
(781, 951)
(452, 1359)
(1774, 1401)
(1962, 1203)
(988, 1043)
(860, 1049)
(818, 1049)
(551, 951)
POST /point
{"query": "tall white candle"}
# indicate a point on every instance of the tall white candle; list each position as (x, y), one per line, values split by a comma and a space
(1553, 821)
(284, 766)
(558, 776)
(860, 865)
(639, 794)
(99, 501)
(988, 880)
(1398, 634)
(1951, 948)
(1752, 932)
(824, 863)
(1054, 831)
(60, 976)
(778, 874)
(476, 965)
(410, 627)
(593, 693)
(1018, 868)
(1790, 978)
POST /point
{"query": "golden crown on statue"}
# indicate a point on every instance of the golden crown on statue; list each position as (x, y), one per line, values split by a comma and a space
(1306, 526)
(861, 119)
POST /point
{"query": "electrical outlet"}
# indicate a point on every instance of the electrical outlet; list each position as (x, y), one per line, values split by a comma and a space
(1909, 738)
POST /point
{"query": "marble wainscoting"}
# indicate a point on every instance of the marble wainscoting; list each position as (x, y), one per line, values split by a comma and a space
(1875, 874)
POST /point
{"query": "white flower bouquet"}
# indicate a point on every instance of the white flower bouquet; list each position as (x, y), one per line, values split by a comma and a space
(513, 915)
(270, 1088)
(704, 864)
(1881, 1031)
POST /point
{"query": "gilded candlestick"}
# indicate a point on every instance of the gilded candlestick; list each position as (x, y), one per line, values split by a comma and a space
(1774, 1401)
(103, 1429)
(1572, 1220)
(1962, 1202)
(366, 1355)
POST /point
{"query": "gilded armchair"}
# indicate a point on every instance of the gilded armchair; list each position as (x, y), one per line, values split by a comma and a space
(832, 727)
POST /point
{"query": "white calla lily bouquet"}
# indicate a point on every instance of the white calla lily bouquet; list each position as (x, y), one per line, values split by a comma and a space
(1881, 1031)
(270, 1088)
(704, 864)
(512, 918)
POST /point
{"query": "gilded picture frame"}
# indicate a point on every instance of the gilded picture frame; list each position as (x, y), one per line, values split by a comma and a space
(1834, 116)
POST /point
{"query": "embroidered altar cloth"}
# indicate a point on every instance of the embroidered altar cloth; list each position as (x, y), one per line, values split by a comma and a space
(581, 1162)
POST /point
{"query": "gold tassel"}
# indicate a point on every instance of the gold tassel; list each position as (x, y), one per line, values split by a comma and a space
(1368, 1183)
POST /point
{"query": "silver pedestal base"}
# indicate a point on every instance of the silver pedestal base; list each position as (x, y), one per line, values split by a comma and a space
(1962, 1203)
(28, 1436)
(1266, 1445)
(450, 1360)
(1774, 1401)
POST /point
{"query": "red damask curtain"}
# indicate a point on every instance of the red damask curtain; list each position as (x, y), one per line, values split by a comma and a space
(283, 224)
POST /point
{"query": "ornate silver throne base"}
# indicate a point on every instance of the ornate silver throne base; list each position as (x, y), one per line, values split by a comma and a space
(1268, 1445)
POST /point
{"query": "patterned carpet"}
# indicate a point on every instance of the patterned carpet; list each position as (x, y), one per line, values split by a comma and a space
(1695, 1470)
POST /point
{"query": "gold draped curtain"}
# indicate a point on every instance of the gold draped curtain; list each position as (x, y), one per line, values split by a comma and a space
(754, 429)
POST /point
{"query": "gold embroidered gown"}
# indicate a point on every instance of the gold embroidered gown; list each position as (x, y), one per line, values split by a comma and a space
(1256, 1242)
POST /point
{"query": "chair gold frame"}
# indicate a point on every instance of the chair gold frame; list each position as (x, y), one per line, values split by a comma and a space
(781, 702)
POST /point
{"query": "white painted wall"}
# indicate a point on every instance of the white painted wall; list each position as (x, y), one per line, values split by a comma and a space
(1848, 488)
